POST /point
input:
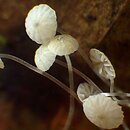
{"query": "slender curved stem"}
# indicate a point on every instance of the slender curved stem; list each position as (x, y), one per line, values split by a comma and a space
(72, 105)
(45, 74)
(112, 89)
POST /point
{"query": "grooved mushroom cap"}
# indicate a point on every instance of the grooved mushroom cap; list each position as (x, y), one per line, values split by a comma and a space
(103, 111)
(63, 45)
(44, 59)
(1, 64)
(41, 23)
(85, 90)
(102, 64)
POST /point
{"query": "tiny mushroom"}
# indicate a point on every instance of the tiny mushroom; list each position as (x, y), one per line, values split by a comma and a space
(44, 58)
(101, 64)
(85, 90)
(41, 23)
(103, 111)
(1, 64)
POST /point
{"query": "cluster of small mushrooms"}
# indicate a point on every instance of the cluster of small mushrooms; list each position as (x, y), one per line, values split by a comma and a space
(102, 110)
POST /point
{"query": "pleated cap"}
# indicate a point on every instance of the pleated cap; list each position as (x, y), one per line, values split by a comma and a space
(103, 111)
(44, 59)
(102, 64)
(41, 23)
(1, 64)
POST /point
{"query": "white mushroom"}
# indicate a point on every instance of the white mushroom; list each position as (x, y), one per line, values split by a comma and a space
(103, 111)
(44, 59)
(101, 64)
(63, 45)
(41, 24)
(85, 90)
(1, 64)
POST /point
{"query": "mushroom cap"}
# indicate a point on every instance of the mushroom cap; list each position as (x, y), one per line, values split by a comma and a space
(102, 64)
(63, 45)
(41, 23)
(1, 64)
(85, 90)
(44, 59)
(103, 111)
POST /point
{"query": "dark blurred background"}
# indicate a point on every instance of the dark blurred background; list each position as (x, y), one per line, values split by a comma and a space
(29, 101)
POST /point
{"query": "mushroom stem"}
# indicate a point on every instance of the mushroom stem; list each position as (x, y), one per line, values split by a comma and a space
(72, 105)
(45, 74)
(111, 85)
(112, 89)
